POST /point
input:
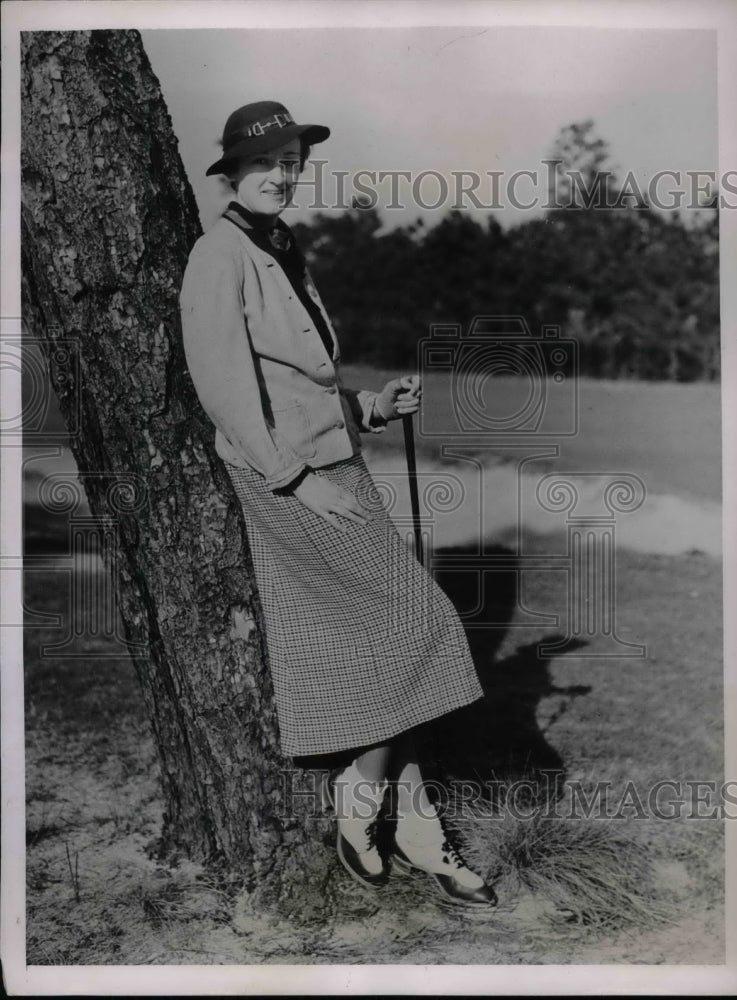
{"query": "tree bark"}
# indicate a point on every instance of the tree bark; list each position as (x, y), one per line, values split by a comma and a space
(108, 220)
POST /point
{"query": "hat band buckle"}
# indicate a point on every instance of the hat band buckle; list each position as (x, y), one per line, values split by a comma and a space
(259, 128)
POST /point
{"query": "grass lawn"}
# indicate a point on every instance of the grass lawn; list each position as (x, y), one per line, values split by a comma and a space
(571, 891)
(668, 434)
(625, 888)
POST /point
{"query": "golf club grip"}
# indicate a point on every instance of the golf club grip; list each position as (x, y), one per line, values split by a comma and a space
(409, 447)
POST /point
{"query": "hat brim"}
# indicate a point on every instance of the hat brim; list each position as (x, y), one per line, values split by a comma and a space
(263, 143)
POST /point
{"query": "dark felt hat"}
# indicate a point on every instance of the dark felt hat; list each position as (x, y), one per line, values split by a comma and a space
(258, 127)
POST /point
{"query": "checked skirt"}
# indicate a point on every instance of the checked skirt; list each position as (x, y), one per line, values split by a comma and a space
(362, 643)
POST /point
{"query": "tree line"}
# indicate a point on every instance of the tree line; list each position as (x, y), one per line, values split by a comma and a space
(637, 289)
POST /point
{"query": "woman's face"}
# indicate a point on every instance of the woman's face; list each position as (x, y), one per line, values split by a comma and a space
(264, 182)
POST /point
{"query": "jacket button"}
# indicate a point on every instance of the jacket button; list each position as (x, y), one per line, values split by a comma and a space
(332, 389)
(341, 423)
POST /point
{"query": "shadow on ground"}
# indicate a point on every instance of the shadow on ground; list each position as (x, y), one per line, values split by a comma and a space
(497, 738)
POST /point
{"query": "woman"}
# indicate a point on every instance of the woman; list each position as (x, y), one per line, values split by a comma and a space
(363, 645)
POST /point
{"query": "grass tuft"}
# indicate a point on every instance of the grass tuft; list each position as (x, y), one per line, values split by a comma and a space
(590, 874)
(174, 896)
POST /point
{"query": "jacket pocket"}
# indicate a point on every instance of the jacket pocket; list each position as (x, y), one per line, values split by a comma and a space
(293, 424)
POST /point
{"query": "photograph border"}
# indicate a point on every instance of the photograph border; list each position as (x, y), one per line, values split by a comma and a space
(29, 15)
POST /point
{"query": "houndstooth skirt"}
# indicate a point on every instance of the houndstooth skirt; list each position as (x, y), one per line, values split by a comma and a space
(362, 643)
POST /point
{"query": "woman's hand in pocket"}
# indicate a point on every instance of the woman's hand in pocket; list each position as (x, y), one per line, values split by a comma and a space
(330, 502)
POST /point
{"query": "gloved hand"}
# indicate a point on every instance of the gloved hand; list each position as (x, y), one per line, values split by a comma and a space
(399, 396)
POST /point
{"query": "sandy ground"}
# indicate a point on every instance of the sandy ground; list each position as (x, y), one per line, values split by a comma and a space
(94, 808)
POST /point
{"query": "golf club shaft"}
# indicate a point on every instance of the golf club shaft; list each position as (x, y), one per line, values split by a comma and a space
(409, 446)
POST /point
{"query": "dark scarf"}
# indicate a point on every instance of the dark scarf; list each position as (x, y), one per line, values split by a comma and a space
(277, 239)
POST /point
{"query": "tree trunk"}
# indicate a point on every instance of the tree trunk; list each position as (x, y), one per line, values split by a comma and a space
(108, 220)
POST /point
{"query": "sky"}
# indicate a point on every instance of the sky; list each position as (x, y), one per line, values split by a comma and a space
(445, 99)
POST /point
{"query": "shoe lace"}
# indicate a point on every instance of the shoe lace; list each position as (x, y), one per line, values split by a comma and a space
(452, 853)
(371, 831)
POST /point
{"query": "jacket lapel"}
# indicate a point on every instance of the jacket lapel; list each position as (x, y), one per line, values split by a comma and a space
(232, 215)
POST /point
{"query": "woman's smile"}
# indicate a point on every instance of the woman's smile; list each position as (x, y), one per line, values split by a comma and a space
(278, 194)
(265, 181)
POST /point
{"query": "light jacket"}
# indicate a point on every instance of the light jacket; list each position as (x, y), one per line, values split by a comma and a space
(259, 365)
